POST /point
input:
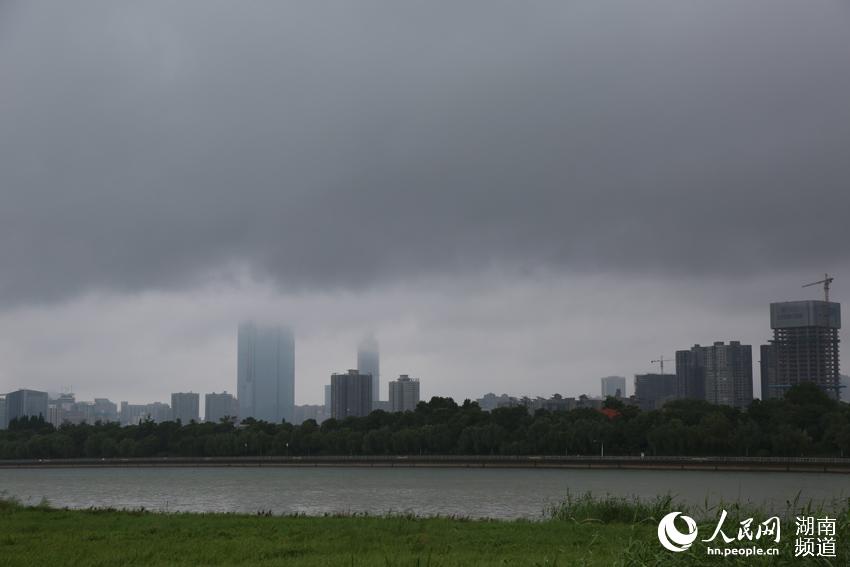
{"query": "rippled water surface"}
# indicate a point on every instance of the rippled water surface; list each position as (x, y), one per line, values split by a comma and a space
(495, 493)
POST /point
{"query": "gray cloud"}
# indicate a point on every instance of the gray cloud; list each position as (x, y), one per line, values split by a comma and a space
(337, 145)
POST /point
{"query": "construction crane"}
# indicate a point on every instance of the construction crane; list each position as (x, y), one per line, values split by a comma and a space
(825, 281)
(661, 360)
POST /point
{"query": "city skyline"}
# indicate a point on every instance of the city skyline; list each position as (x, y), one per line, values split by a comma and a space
(719, 374)
(367, 353)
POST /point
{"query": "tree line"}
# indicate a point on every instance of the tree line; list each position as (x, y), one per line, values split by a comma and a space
(805, 423)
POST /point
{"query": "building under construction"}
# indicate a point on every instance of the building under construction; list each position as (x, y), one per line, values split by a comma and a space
(804, 347)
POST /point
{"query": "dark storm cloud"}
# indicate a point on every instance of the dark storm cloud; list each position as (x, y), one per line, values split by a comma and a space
(151, 145)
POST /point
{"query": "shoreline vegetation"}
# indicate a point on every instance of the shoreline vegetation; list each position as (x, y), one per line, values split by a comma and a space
(805, 424)
(581, 530)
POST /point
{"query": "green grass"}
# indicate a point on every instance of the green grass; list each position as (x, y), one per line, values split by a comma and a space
(598, 532)
(613, 509)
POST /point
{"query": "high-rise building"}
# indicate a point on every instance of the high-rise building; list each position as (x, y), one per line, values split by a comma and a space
(805, 343)
(2, 412)
(369, 362)
(26, 403)
(351, 394)
(404, 393)
(219, 406)
(653, 390)
(767, 367)
(266, 373)
(690, 374)
(719, 374)
(613, 386)
(185, 407)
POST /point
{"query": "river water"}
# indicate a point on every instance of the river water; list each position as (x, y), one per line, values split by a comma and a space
(493, 493)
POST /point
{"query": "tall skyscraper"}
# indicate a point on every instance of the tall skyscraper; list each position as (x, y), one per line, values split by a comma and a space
(266, 373)
(613, 386)
(404, 393)
(719, 374)
(805, 346)
(185, 406)
(369, 362)
(351, 395)
(218, 406)
(26, 403)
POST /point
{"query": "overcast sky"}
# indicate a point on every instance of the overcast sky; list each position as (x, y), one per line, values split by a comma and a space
(515, 197)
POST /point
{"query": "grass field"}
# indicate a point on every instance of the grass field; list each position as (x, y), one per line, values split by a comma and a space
(45, 536)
